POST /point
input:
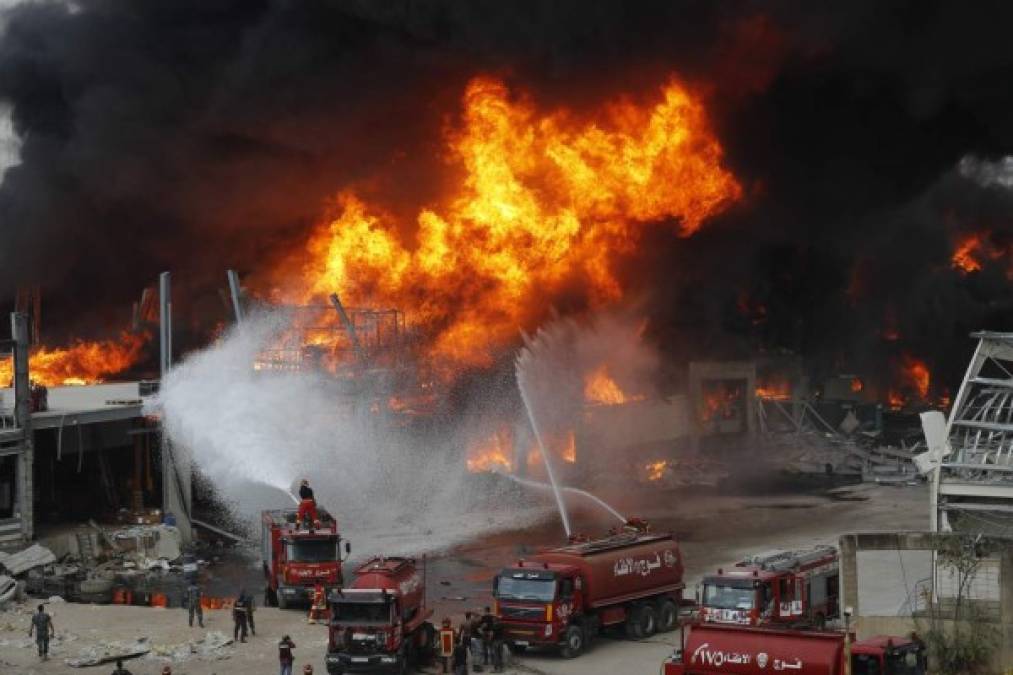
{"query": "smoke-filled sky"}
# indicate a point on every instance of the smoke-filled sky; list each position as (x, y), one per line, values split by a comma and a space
(869, 138)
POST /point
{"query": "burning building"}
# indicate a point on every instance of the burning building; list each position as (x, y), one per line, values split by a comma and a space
(759, 181)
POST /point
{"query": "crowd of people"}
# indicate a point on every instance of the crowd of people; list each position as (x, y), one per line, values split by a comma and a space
(478, 640)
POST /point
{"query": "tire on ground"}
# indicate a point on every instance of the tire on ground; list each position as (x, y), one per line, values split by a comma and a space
(668, 616)
(633, 628)
(573, 641)
(648, 620)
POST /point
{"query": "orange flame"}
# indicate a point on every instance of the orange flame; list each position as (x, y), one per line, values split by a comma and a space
(915, 379)
(601, 389)
(80, 363)
(569, 453)
(655, 470)
(491, 454)
(544, 200)
(777, 391)
(964, 256)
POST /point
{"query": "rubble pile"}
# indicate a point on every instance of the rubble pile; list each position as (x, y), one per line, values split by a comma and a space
(213, 646)
(89, 563)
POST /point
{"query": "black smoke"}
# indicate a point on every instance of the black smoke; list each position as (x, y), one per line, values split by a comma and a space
(197, 135)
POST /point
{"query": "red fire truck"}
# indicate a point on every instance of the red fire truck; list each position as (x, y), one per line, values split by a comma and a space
(713, 649)
(297, 558)
(562, 597)
(785, 587)
(381, 622)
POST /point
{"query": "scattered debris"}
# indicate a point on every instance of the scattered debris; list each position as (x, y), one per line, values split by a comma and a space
(34, 556)
(210, 647)
(106, 652)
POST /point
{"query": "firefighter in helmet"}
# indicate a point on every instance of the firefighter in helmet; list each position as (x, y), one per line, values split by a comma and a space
(307, 513)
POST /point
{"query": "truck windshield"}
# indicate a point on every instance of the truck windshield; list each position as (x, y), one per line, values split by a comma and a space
(314, 550)
(905, 661)
(362, 613)
(865, 664)
(722, 595)
(543, 590)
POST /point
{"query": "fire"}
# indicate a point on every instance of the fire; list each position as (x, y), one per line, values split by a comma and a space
(720, 403)
(972, 251)
(569, 452)
(600, 389)
(656, 470)
(778, 391)
(964, 256)
(917, 373)
(80, 363)
(543, 200)
(491, 454)
(857, 385)
(915, 380)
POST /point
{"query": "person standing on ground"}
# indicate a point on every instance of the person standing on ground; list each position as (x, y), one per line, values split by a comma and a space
(485, 626)
(249, 614)
(285, 656)
(42, 626)
(318, 605)
(239, 617)
(120, 670)
(497, 645)
(461, 655)
(475, 633)
(192, 601)
(445, 646)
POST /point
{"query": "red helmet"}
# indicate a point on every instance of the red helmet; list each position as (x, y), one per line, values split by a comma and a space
(167, 669)
(307, 669)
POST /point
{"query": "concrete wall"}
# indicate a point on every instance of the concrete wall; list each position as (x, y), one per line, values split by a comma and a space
(868, 624)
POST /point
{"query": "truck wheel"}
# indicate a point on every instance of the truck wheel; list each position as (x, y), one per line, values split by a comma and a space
(573, 642)
(283, 602)
(270, 597)
(632, 624)
(668, 616)
(648, 620)
(424, 646)
(516, 649)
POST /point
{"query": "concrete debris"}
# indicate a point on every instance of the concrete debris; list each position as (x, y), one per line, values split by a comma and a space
(34, 556)
(8, 589)
(150, 541)
(211, 647)
(106, 652)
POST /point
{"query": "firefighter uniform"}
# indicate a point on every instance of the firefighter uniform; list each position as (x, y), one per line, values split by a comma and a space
(445, 648)
(318, 608)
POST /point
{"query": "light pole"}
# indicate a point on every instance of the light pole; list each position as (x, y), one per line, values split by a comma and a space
(847, 640)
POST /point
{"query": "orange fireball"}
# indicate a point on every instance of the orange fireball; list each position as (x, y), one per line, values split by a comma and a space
(80, 363)
(545, 200)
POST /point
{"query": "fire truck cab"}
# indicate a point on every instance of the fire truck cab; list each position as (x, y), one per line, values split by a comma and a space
(777, 588)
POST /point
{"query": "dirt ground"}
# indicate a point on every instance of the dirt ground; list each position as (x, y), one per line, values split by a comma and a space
(713, 530)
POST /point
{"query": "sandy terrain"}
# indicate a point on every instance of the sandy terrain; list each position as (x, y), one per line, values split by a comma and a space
(713, 531)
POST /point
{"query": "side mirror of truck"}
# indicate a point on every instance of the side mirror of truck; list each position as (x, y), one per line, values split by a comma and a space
(348, 548)
(495, 586)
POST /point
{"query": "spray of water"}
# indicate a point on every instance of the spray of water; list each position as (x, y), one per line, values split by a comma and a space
(564, 488)
(255, 434)
(524, 356)
(551, 397)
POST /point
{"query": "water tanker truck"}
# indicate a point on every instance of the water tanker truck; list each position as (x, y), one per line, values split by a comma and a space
(381, 622)
(296, 558)
(564, 596)
(716, 649)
